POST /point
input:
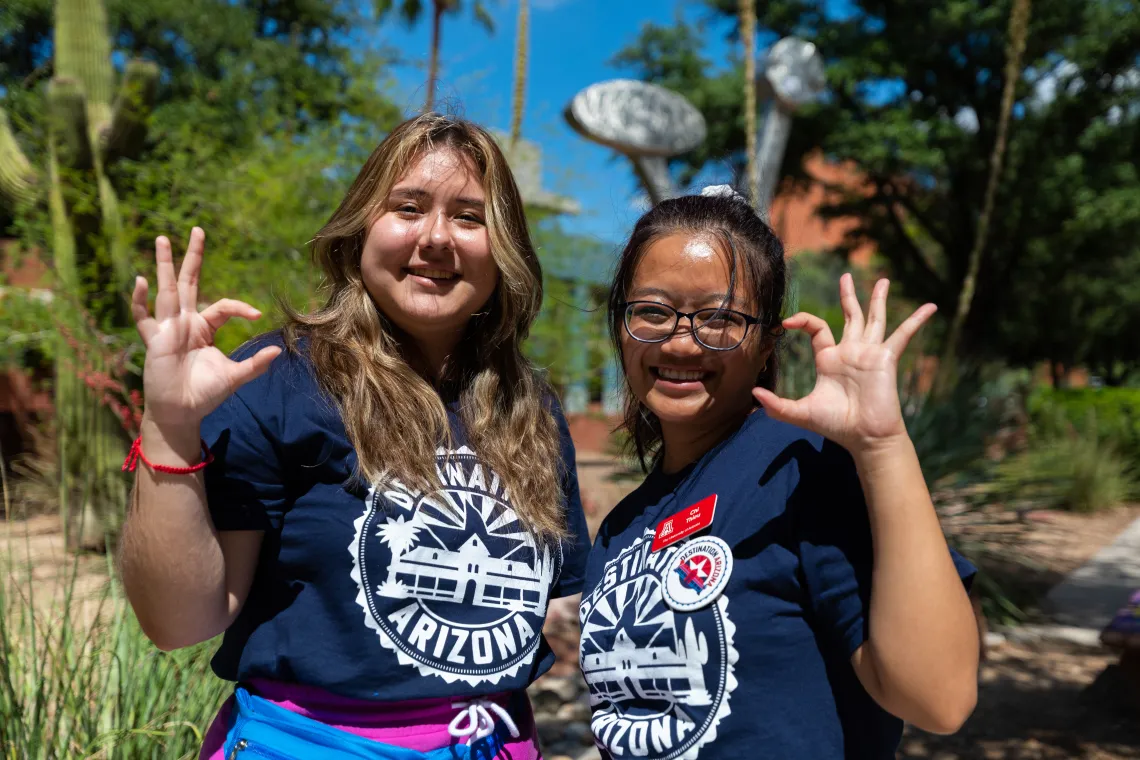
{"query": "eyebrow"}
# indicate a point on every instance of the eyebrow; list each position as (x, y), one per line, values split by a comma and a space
(419, 194)
(641, 292)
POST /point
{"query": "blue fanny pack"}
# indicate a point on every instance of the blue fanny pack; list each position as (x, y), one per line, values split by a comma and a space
(261, 730)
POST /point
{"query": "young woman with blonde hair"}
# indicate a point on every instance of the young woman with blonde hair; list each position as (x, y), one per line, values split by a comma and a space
(376, 503)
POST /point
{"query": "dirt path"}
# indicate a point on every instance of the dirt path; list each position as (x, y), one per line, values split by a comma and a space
(1042, 702)
(37, 568)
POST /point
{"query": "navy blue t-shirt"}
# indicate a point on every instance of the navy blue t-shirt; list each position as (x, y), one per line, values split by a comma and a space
(736, 641)
(378, 593)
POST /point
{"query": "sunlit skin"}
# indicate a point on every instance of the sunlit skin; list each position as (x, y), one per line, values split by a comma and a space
(427, 264)
(921, 657)
(688, 273)
(427, 259)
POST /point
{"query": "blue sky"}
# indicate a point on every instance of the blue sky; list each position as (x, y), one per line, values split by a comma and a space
(571, 42)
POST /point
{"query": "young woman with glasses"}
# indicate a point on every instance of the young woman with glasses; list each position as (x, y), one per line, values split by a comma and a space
(779, 585)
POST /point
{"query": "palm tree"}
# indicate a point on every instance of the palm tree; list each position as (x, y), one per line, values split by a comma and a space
(522, 41)
(410, 11)
(748, 35)
(1018, 33)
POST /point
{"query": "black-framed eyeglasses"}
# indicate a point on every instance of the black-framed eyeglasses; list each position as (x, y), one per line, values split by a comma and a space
(716, 329)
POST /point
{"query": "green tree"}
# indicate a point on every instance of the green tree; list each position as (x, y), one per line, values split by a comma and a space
(410, 11)
(261, 116)
(914, 102)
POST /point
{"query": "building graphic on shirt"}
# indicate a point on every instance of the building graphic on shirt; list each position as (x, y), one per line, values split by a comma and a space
(426, 572)
(451, 582)
(652, 673)
(659, 680)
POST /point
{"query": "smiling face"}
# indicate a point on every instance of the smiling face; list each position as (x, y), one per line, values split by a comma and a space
(693, 390)
(427, 259)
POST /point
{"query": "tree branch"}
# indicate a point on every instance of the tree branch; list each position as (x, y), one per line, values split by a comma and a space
(123, 137)
(913, 210)
(888, 200)
(924, 267)
(19, 180)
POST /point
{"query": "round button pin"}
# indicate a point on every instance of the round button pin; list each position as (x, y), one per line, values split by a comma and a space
(697, 574)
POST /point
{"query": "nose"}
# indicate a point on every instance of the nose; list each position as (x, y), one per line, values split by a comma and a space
(436, 232)
(682, 344)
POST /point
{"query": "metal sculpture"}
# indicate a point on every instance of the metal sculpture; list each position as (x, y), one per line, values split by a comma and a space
(646, 123)
(793, 77)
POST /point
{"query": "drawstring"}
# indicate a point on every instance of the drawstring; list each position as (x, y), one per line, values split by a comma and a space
(480, 724)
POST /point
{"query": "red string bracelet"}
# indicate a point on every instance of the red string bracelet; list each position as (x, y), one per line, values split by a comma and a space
(136, 453)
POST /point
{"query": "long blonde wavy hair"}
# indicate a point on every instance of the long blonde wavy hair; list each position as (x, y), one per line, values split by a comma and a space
(395, 418)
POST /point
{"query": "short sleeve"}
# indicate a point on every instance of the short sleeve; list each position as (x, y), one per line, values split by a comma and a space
(834, 541)
(245, 486)
(576, 545)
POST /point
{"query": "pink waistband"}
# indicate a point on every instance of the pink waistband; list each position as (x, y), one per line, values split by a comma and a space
(419, 724)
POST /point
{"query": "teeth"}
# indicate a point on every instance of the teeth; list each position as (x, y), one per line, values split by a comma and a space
(435, 274)
(682, 375)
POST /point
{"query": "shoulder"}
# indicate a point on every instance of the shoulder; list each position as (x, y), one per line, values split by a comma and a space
(289, 373)
(796, 461)
(763, 442)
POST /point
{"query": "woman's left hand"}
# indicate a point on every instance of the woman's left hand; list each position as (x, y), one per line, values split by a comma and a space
(855, 401)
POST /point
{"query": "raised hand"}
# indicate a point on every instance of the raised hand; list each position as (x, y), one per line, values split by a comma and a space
(185, 376)
(855, 401)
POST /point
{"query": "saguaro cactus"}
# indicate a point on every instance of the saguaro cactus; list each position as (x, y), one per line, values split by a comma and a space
(89, 127)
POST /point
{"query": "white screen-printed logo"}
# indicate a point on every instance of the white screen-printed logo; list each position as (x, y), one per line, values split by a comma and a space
(452, 582)
(660, 680)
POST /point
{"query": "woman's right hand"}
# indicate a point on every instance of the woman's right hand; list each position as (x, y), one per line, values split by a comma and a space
(185, 377)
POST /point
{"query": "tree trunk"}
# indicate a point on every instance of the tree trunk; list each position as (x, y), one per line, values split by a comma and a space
(433, 61)
(1018, 31)
(522, 42)
(748, 36)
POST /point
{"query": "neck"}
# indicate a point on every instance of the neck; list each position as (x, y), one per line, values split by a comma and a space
(429, 356)
(686, 443)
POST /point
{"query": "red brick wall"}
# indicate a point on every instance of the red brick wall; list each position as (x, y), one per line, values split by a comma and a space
(794, 213)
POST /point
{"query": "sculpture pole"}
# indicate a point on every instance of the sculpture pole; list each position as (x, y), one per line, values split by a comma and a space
(653, 173)
(647, 124)
(794, 74)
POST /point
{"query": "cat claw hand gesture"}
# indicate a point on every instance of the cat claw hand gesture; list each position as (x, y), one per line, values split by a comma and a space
(185, 377)
(855, 401)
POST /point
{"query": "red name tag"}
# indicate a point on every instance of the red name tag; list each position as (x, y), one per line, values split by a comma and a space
(684, 523)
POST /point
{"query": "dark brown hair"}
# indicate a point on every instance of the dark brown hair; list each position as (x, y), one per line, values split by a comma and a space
(756, 259)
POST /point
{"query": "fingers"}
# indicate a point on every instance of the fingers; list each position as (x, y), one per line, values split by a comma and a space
(899, 339)
(145, 324)
(782, 409)
(814, 327)
(166, 299)
(244, 371)
(852, 311)
(220, 312)
(877, 313)
(191, 267)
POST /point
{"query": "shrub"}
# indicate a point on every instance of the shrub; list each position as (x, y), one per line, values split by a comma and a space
(1116, 413)
(79, 679)
(1079, 471)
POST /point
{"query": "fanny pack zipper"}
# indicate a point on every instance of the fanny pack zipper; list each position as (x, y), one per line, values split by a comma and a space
(243, 745)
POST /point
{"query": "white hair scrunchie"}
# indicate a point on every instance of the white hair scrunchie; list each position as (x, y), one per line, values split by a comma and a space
(723, 191)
